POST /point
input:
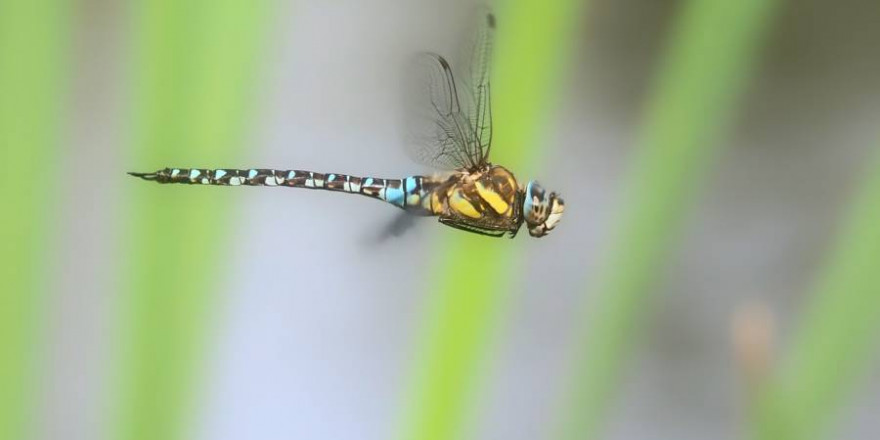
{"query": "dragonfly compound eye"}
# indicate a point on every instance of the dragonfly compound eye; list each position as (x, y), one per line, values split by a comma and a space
(542, 211)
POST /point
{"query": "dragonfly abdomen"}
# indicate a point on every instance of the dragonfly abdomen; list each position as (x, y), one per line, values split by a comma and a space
(411, 193)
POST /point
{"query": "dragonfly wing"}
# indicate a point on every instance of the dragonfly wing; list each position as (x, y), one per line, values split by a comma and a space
(451, 127)
(477, 103)
(437, 131)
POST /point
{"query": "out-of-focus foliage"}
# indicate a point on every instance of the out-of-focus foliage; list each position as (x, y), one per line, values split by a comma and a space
(470, 291)
(33, 57)
(192, 72)
(838, 331)
(710, 54)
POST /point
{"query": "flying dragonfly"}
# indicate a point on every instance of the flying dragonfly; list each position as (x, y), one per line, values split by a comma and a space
(452, 131)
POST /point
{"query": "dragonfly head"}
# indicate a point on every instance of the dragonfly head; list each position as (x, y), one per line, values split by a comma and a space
(541, 211)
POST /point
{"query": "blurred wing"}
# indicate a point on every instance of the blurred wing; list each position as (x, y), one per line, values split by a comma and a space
(437, 132)
(478, 104)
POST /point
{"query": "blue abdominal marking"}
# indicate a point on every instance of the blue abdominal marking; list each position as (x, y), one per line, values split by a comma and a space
(410, 183)
(394, 196)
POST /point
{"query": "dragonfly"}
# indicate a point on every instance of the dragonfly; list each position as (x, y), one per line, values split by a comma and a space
(451, 131)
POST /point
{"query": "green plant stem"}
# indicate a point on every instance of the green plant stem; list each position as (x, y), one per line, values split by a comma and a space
(710, 53)
(33, 62)
(472, 282)
(192, 76)
(838, 333)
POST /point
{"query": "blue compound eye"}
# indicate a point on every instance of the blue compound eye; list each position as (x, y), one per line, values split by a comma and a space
(535, 207)
(541, 211)
(534, 195)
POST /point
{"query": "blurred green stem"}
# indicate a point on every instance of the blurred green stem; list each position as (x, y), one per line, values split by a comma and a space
(33, 65)
(711, 51)
(473, 281)
(838, 333)
(192, 79)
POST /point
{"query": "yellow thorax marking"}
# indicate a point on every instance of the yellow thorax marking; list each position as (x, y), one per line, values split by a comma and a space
(432, 203)
(462, 205)
(492, 198)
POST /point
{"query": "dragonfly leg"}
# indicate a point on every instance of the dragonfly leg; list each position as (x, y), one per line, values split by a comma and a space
(487, 230)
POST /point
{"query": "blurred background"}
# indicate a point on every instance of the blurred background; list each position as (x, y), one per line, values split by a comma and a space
(714, 275)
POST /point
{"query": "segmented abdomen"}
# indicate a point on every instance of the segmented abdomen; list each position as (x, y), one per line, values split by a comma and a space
(412, 193)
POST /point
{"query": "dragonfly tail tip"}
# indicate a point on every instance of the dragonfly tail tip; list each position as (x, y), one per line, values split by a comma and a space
(145, 176)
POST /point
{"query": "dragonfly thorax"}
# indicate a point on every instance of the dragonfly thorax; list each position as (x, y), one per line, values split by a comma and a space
(489, 200)
(487, 194)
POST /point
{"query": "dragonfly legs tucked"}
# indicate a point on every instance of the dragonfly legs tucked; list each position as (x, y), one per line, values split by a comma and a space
(482, 230)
